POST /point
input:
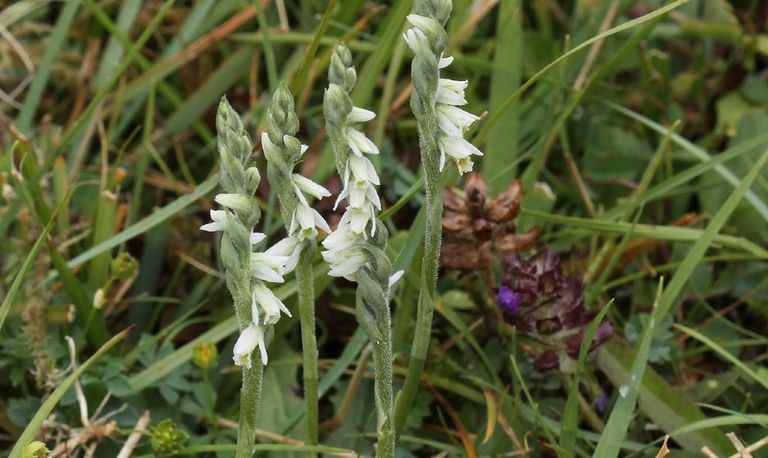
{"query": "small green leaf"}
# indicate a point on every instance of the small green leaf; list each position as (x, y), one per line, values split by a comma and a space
(755, 89)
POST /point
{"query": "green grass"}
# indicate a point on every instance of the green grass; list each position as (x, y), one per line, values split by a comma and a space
(108, 147)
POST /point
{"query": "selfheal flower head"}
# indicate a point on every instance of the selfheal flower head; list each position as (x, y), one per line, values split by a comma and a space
(550, 308)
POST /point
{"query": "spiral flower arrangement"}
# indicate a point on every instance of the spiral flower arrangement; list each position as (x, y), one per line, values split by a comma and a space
(247, 272)
(283, 152)
(355, 250)
(441, 124)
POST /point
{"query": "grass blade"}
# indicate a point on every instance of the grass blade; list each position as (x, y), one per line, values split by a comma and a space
(505, 80)
(285, 448)
(723, 353)
(5, 307)
(709, 235)
(616, 428)
(129, 11)
(147, 223)
(95, 328)
(665, 187)
(571, 411)
(725, 420)
(207, 94)
(600, 36)
(621, 415)
(300, 79)
(374, 66)
(45, 67)
(696, 152)
(165, 365)
(661, 402)
(649, 231)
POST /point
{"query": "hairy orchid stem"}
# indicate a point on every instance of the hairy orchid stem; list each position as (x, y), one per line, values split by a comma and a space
(283, 152)
(356, 249)
(248, 272)
(429, 266)
(382, 365)
(250, 396)
(305, 281)
(435, 103)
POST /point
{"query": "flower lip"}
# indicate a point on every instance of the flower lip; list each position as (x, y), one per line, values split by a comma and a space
(244, 346)
(290, 247)
(508, 300)
(305, 222)
(265, 299)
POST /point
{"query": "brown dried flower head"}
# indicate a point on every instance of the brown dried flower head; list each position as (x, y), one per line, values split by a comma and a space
(477, 229)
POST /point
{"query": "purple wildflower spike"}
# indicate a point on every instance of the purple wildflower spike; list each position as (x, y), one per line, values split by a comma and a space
(548, 306)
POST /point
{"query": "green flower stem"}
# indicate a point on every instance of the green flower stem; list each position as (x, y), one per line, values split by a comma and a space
(239, 179)
(382, 365)
(305, 281)
(283, 152)
(425, 73)
(373, 315)
(373, 278)
(250, 394)
(250, 390)
(429, 266)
